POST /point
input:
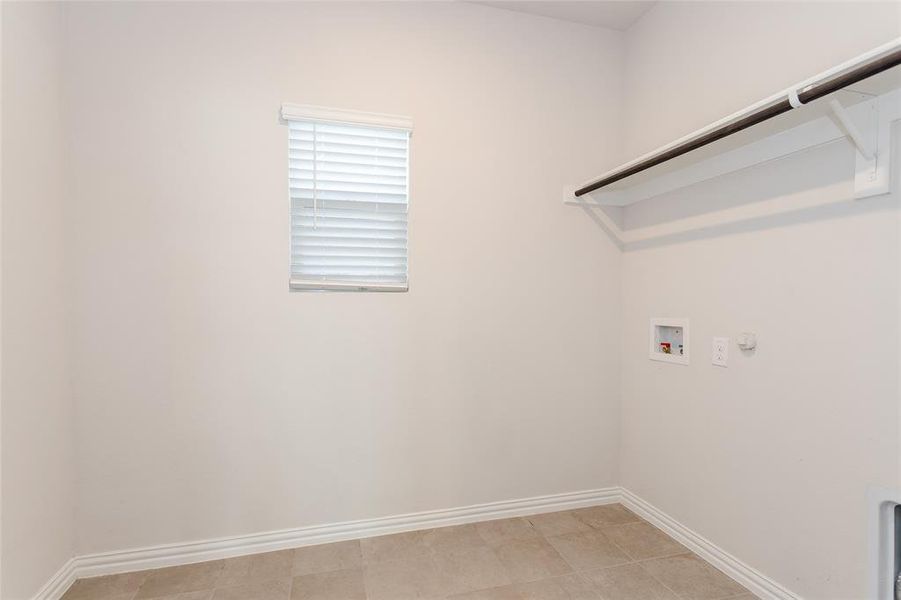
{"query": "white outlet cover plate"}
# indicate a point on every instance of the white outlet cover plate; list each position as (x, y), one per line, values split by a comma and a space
(720, 351)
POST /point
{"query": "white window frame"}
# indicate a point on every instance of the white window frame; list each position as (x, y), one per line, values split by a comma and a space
(306, 112)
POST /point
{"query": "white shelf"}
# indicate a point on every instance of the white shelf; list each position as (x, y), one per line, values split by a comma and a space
(868, 108)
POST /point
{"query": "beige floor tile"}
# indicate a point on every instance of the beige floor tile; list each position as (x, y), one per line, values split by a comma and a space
(567, 587)
(608, 514)
(176, 580)
(457, 537)
(201, 595)
(331, 585)
(412, 579)
(642, 540)
(530, 560)
(628, 582)
(256, 567)
(504, 531)
(589, 550)
(507, 592)
(692, 578)
(327, 557)
(279, 589)
(105, 588)
(557, 523)
(472, 569)
(399, 546)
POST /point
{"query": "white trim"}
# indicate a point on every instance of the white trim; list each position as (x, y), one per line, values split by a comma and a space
(199, 551)
(881, 50)
(756, 582)
(308, 112)
(871, 121)
(301, 285)
(59, 583)
(870, 177)
(192, 552)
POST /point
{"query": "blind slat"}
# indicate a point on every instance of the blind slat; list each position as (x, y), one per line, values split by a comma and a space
(345, 158)
(372, 152)
(348, 129)
(336, 262)
(327, 185)
(349, 225)
(355, 253)
(362, 175)
(344, 196)
(348, 140)
(337, 213)
(349, 272)
(349, 243)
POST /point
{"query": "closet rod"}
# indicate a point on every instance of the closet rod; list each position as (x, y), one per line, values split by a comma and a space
(809, 94)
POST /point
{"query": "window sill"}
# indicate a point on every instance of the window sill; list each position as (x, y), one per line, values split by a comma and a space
(325, 286)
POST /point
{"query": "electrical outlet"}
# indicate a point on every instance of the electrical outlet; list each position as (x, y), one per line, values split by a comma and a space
(720, 353)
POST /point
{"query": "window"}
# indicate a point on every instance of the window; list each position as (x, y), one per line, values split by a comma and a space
(348, 176)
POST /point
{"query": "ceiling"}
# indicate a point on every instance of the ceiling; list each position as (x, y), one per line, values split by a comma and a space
(600, 13)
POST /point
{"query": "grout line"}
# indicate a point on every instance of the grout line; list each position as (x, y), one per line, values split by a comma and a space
(663, 585)
(690, 553)
(636, 561)
(617, 546)
(673, 555)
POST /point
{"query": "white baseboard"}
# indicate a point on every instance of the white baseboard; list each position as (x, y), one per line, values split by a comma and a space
(756, 582)
(185, 553)
(59, 583)
(191, 552)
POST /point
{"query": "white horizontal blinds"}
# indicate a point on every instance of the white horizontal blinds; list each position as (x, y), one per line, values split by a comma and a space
(348, 186)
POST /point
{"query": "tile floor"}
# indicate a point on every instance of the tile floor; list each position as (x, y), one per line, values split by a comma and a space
(598, 553)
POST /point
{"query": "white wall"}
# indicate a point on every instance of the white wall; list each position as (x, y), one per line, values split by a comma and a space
(37, 438)
(691, 63)
(771, 457)
(212, 402)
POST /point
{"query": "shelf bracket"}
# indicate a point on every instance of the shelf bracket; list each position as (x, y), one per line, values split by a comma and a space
(871, 141)
(841, 118)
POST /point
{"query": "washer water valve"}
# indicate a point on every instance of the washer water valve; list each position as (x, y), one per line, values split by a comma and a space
(747, 341)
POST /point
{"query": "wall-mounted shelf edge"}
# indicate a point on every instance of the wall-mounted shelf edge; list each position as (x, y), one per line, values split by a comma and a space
(818, 110)
(872, 177)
